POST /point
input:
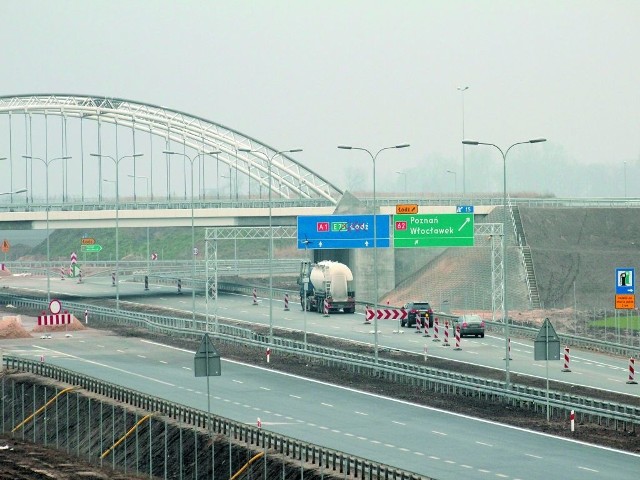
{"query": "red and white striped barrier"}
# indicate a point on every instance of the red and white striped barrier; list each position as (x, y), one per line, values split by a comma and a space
(326, 307)
(259, 423)
(572, 417)
(113, 279)
(61, 273)
(426, 327)
(632, 372)
(508, 349)
(368, 314)
(457, 347)
(286, 302)
(268, 354)
(418, 324)
(435, 330)
(56, 319)
(446, 334)
(86, 316)
(255, 297)
(566, 360)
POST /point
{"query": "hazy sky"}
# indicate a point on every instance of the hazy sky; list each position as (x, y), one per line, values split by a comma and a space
(315, 74)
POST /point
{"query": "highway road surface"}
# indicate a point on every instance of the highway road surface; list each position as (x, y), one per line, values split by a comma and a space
(416, 438)
(589, 369)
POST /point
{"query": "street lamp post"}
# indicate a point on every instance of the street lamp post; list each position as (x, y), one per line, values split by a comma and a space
(46, 170)
(404, 174)
(455, 180)
(505, 317)
(146, 179)
(117, 165)
(269, 162)
(193, 231)
(375, 238)
(464, 165)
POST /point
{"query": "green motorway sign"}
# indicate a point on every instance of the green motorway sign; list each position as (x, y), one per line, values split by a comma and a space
(90, 248)
(433, 230)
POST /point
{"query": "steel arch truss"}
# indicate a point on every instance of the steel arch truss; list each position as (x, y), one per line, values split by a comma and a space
(494, 231)
(289, 179)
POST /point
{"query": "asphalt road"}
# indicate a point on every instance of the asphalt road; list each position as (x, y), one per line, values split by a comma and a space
(416, 438)
(589, 369)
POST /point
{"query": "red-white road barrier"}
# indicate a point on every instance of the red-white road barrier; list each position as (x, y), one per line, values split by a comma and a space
(286, 302)
(426, 327)
(259, 423)
(508, 349)
(446, 334)
(255, 297)
(457, 347)
(268, 354)
(632, 372)
(113, 279)
(368, 314)
(55, 319)
(435, 330)
(326, 307)
(566, 360)
(61, 273)
(86, 316)
(418, 325)
(572, 417)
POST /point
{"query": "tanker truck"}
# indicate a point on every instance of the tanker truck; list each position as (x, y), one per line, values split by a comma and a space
(326, 280)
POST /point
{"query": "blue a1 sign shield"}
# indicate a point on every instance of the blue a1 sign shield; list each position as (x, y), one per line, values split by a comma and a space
(342, 231)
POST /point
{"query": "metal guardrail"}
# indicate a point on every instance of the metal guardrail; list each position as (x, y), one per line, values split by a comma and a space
(399, 372)
(347, 465)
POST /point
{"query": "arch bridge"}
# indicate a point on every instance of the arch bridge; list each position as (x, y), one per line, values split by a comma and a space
(79, 141)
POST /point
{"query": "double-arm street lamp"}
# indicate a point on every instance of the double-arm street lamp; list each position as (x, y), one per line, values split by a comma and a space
(505, 317)
(117, 164)
(193, 231)
(375, 237)
(46, 181)
(269, 162)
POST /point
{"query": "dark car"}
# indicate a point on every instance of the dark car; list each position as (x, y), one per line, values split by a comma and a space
(470, 325)
(415, 310)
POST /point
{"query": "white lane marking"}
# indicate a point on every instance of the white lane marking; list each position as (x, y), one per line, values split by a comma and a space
(402, 449)
(419, 453)
(485, 444)
(389, 445)
(326, 404)
(322, 427)
(294, 396)
(120, 351)
(434, 458)
(397, 423)
(377, 442)
(588, 469)
(466, 466)
(335, 431)
(438, 433)
(162, 361)
(265, 388)
(394, 400)
(451, 462)
(186, 368)
(365, 438)
(502, 475)
(482, 470)
(101, 346)
(237, 381)
(141, 356)
(349, 434)
(362, 413)
(532, 455)
(91, 362)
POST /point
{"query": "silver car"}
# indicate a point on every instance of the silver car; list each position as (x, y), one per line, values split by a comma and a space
(470, 325)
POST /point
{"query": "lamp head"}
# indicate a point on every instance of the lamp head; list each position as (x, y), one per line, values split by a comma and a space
(245, 150)
(345, 147)
(403, 145)
(294, 150)
(537, 140)
(169, 152)
(462, 89)
(470, 142)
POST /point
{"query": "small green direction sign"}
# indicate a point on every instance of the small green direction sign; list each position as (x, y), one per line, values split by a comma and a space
(90, 248)
(433, 230)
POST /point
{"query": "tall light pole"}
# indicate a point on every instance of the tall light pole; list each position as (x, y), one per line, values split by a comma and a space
(464, 164)
(404, 174)
(455, 180)
(505, 317)
(375, 237)
(193, 230)
(46, 170)
(625, 179)
(269, 162)
(116, 162)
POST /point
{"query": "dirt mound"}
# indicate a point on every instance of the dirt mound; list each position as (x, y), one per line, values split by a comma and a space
(11, 327)
(71, 327)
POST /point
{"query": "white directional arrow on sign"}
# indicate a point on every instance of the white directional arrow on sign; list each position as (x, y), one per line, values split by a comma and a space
(386, 314)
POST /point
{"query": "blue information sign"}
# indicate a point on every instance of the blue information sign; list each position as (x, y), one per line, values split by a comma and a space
(464, 209)
(342, 231)
(625, 280)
